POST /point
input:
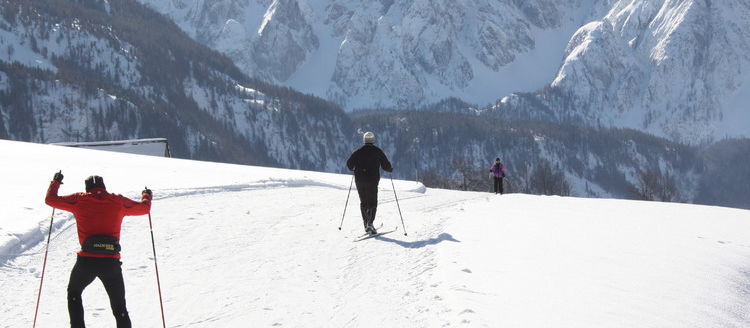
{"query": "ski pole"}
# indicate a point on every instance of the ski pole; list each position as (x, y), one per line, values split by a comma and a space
(347, 202)
(156, 266)
(399, 206)
(44, 266)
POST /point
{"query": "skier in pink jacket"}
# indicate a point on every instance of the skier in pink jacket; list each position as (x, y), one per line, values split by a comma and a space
(498, 173)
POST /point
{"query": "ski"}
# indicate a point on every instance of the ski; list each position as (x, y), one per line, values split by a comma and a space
(368, 236)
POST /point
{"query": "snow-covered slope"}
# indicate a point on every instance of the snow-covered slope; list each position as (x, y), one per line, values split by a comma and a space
(246, 246)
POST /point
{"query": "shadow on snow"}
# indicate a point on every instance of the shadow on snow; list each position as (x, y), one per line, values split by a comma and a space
(420, 243)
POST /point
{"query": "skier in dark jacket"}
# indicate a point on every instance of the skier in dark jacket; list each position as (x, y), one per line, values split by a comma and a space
(98, 216)
(497, 171)
(366, 163)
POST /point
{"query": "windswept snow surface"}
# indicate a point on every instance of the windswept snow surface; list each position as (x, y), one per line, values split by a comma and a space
(242, 246)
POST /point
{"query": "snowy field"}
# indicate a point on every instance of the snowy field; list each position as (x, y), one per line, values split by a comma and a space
(242, 246)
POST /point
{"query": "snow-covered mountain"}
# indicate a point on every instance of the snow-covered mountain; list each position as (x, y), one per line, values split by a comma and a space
(234, 251)
(95, 70)
(675, 68)
(387, 53)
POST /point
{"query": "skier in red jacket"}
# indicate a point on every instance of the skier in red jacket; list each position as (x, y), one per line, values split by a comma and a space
(98, 216)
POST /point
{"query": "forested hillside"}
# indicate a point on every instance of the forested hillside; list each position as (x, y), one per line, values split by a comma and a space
(454, 150)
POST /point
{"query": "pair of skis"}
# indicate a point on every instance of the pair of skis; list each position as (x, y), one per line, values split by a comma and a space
(368, 236)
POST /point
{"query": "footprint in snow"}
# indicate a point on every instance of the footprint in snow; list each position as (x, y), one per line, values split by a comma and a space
(467, 311)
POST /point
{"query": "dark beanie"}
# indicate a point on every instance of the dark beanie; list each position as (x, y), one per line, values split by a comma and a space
(94, 181)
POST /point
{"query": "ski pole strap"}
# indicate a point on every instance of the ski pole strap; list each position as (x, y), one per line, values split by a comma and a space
(101, 244)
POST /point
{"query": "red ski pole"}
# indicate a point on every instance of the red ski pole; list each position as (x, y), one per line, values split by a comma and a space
(44, 266)
(156, 266)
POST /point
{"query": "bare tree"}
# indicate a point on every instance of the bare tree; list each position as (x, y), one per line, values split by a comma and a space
(547, 180)
(470, 177)
(654, 185)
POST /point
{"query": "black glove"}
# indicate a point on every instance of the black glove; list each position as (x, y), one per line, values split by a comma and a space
(58, 177)
(147, 191)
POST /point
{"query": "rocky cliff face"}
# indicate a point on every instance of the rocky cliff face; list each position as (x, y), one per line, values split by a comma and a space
(672, 68)
(378, 53)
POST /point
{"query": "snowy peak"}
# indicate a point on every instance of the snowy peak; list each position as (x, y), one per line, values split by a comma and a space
(674, 69)
(283, 27)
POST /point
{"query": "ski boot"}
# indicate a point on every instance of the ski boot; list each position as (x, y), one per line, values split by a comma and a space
(371, 229)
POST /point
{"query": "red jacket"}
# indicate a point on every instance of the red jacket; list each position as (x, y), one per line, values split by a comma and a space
(97, 212)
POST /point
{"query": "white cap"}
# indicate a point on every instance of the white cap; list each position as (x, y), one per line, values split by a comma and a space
(368, 137)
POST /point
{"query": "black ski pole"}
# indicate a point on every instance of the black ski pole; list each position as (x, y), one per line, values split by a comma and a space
(347, 202)
(44, 266)
(156, 266)
(399, 206)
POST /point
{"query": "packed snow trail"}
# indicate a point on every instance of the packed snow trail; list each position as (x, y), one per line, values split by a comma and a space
(243, 263)
(243, 246)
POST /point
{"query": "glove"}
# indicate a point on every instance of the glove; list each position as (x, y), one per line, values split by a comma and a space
(147, 191)
(58, 177)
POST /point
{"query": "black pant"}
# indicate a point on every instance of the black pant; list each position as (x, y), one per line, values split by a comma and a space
(498, 185)
(368, 199)
(109, 271)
